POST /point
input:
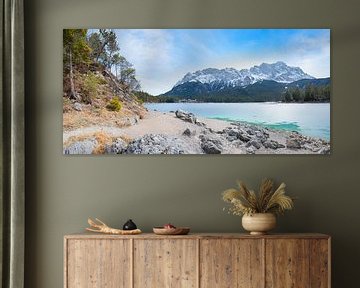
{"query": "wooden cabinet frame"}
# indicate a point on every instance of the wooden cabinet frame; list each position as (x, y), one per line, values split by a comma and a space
(197, 261)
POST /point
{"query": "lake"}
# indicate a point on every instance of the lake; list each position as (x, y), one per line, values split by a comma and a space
(312, 119)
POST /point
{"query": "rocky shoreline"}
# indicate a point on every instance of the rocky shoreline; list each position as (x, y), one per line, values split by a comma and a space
(192, 135)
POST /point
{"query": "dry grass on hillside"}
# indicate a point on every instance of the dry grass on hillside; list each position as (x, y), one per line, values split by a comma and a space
(96, 96)
(91, 116)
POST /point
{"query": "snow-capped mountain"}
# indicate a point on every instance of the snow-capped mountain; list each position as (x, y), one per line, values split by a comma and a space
(231, 77)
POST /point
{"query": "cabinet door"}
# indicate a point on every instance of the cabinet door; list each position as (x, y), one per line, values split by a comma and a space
(165, 263)
(320, 263)
(98, 263)
(287, 263)
(231, 263)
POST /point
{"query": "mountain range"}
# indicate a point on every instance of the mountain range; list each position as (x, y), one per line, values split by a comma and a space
(266, 82)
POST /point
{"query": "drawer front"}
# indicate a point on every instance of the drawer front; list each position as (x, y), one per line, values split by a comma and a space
(165, 263)
(98, 263)
(231, 263)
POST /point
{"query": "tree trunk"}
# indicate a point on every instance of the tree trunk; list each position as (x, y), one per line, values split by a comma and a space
(101, 51)
(73, 94)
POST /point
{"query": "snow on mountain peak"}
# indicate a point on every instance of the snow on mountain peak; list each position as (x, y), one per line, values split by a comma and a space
(231, 77)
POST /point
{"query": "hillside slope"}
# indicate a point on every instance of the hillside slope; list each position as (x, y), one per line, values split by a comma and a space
(101, 99)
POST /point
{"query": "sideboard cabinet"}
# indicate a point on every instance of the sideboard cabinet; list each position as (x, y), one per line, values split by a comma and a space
(197, 261)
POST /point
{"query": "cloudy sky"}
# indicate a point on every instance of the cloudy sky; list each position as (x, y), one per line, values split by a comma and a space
(162, 57)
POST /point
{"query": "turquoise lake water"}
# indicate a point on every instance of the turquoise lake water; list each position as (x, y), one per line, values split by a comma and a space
(312, 119)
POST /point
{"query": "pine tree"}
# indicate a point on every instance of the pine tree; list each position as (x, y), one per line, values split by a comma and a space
(288, 96)
(296, 95)
(309, 93)
(116, 61)
(76, 51)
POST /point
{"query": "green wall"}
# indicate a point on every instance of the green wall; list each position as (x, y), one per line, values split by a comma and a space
(63, 191)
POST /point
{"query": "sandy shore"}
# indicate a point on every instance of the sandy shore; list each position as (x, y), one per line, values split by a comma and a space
(218, 132)
(153, 123)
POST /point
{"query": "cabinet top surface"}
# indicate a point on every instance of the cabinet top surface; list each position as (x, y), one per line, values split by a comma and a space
(86, 235)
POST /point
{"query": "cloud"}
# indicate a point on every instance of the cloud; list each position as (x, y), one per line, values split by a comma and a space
(150, 51)
(310, 51)
(161, 57)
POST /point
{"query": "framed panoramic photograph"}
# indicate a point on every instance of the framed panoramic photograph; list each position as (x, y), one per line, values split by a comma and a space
(196, 91)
